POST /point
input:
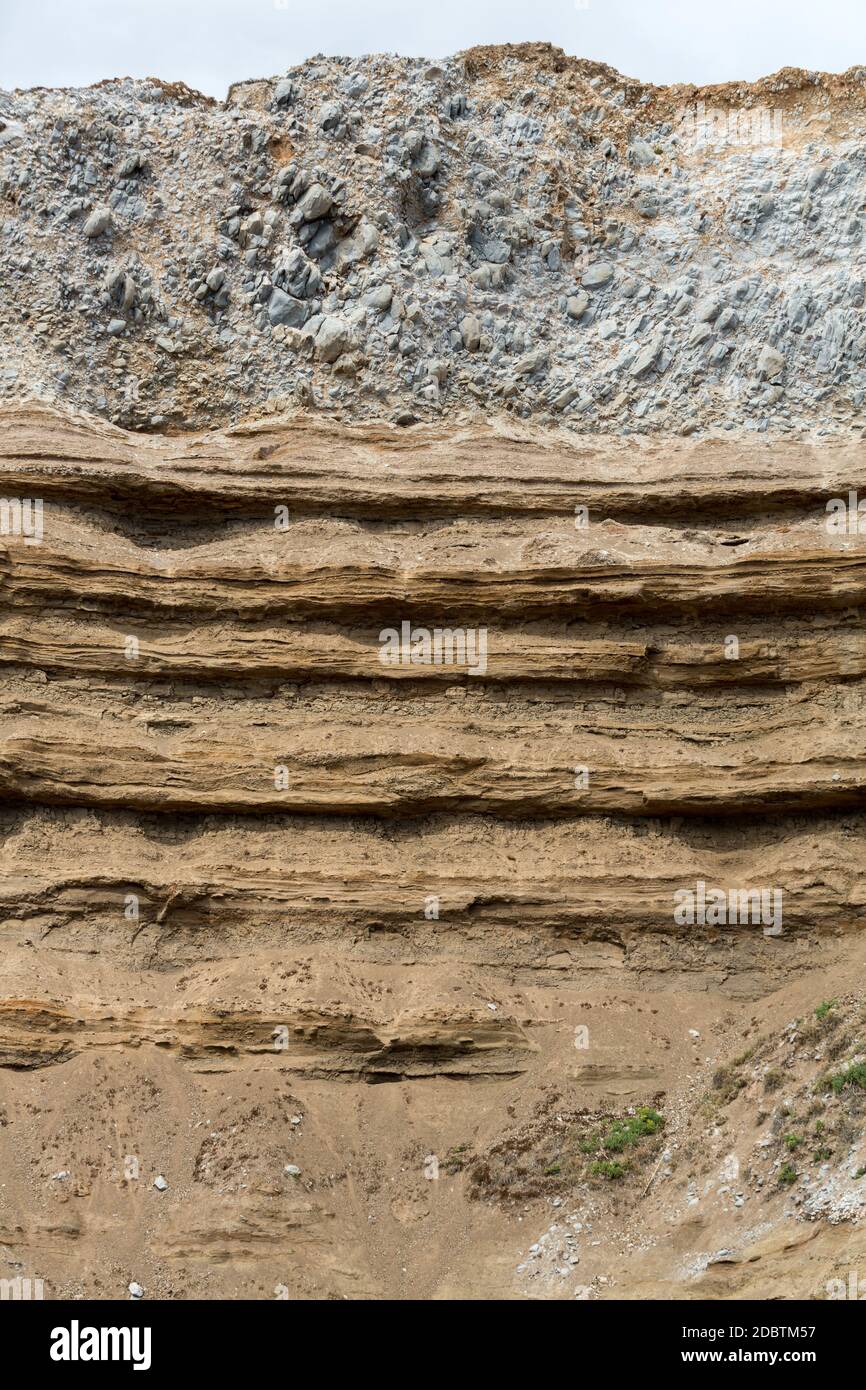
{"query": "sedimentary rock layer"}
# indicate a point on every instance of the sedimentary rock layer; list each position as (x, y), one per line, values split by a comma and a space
(511, 755)
(381, 470)
(276, 885)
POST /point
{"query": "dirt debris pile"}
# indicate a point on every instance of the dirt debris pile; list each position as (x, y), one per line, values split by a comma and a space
(510, 230)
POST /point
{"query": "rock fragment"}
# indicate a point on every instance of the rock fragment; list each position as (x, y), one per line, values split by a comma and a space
(332, 339)
(97, 223)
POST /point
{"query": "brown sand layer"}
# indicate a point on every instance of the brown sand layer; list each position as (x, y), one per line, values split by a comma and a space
(270, 902)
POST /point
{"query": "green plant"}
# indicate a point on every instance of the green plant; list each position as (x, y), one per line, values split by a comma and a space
(855, 1075)
(793, 1142)
(861, 1173)
(455, 1159)
(787, 1175)
(824, 1008)
(616, 1141)
(607, 1168)
(626, 1133)
(821, 1155)
(554, 1168)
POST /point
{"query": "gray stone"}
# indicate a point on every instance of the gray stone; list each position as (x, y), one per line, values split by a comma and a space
(324, 240)
(770, 362)
(284, 92)
(122, 289)
(648, 205)
(494, 250)
(597, 275)
(253, 225)
(833, 341)
(297, 274)
(470, 332)
(426, 163)
(10, 131)
(316, 202)
(332, 339)
(577, 305)
(352, 249)
(284, 308)
(379, 298)
(132, 164)
(565, 398)
(356, 84)
(98, 222)
(645, 358)
(708, 309)
(531, 362)
(330, 116)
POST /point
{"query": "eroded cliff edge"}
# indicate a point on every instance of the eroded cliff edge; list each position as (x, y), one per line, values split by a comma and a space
(271, 902)
(511, 230)
(353, 977)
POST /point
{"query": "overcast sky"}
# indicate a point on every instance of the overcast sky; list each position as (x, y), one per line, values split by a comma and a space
(210, 43)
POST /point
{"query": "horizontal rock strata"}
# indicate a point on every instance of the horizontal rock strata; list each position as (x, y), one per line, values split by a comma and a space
(258, 841)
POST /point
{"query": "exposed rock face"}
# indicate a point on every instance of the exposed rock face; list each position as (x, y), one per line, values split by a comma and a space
(396, 737)
(250, 864)
(511, 229)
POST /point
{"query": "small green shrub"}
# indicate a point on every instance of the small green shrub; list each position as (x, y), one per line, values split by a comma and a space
(626, 1133)
(787, 1175)
(455, 1159)
(854, 1075)
(607, 1168)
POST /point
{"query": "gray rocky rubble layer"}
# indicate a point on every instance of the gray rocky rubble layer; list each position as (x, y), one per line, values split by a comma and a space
(509, 230)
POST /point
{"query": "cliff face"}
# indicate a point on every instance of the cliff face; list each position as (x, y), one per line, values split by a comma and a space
(433, 837)
(510, 231)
